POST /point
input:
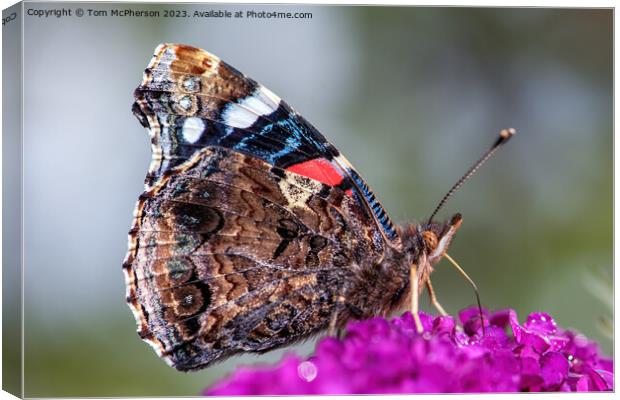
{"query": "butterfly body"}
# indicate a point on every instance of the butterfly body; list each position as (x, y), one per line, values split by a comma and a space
(253, 231)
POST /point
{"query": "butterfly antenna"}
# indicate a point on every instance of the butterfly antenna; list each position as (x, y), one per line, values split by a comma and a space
(504, 136)
(471, 282)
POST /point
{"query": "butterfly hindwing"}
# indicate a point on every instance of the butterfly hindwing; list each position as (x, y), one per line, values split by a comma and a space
(229, 255)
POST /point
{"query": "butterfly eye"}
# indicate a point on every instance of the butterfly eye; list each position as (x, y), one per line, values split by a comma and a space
(430, 240)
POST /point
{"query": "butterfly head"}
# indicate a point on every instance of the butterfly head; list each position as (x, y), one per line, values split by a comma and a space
(426, 243)
(436, 237)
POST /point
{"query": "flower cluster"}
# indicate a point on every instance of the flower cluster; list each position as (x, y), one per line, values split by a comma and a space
(380, 356)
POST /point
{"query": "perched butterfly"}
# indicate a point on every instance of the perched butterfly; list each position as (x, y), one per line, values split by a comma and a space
(253, 231)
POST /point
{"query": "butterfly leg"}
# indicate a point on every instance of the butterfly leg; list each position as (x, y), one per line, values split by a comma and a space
(340, 333)
(332, 330)
(431, 293)
(415, 292)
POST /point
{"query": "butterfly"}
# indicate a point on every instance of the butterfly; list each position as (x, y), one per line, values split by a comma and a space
(253, 231)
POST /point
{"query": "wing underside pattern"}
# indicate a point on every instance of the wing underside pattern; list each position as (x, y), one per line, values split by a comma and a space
(227, 255)
(251, 223)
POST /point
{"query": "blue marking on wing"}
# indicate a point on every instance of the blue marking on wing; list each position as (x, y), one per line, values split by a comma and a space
(242, 145)
(302, 130)
(377, 209)
(291, 145)
(292, 142)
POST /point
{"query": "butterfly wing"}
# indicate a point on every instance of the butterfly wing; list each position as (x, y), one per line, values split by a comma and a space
(245, 234)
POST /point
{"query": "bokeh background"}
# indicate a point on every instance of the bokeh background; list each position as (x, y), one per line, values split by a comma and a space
(411, 95)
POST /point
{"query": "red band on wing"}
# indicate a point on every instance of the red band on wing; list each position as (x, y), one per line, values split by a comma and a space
(320, 170)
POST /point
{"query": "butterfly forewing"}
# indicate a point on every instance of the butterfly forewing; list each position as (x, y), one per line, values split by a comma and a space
(189, 99)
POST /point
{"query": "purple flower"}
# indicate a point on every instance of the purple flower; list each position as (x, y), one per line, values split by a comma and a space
(380, 356)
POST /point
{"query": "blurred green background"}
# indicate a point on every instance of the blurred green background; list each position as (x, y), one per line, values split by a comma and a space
(411, 95)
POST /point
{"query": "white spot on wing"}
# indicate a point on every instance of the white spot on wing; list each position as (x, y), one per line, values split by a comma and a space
(192, 129)
(298, 189)
(257, 104)
(295, 196)
(248, 110)
(238, 117)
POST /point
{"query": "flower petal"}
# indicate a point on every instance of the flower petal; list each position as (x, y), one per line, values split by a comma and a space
(380, 356)
(554, 368)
